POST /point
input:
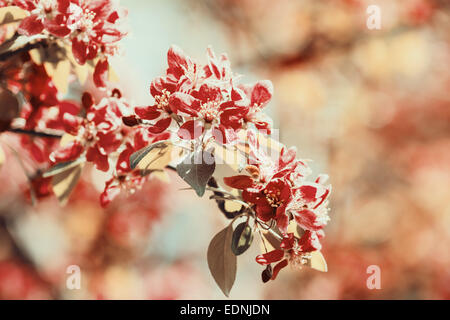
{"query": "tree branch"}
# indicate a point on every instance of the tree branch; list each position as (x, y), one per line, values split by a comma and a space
(28, 47)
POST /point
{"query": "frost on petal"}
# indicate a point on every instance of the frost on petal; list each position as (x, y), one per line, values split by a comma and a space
(309, 242)
(223, 135)
(181, 103)
(57, 26)
(71, 123)
(178, 61)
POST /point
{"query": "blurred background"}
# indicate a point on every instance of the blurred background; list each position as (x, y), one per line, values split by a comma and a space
(370, 107)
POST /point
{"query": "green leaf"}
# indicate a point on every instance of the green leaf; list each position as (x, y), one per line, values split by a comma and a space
(242, 238)
(196, 169)
(221, 261)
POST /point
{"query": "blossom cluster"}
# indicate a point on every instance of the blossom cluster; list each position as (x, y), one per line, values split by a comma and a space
(197, 109)
(207, 103)
(92, 28)
(101, 138)
(279, 192)
(204, 100)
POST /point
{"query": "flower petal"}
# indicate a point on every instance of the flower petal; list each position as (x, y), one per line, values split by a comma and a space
(278, 267)
(191, 130)
(112, 190)
(100, 160)
(160, 126)
(262, 93)
(31, 25)
(270, 257)
(69, 152)
(147, 113)
(182, 103)
(101, 73)
(307, 219)
(240, 182)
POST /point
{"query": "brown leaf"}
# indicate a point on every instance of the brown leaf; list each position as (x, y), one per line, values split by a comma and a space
(59, 74)
(18, 42)
(270, 242)
(221, 261)
(81, 72)
(9, 108)
(62, 167)
(65, 139)
(318, 262)
(11, 14)
(112, 75)
(64, 183)
(161, 175)
(242, 238)
(196, 170)
(154, 157)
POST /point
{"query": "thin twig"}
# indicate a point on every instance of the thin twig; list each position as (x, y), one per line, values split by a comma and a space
(36, 133)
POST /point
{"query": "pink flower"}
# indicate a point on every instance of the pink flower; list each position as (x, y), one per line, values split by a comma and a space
(254, 99)
(51, 15)
(203, 100)
(292, 251)
(278, 190)
(124, 178)
(97, 135)
(95, 28)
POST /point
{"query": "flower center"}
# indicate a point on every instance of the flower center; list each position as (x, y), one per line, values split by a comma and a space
(273, 197)
(162, 101)
(44, 8)
(296, 258)
(86, 25)
(210, 111)
(89, 133)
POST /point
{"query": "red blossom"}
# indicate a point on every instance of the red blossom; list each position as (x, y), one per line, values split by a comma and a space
(203, 101)
(292, 251)
(93, 27)
(277, 189)
(99, 134)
